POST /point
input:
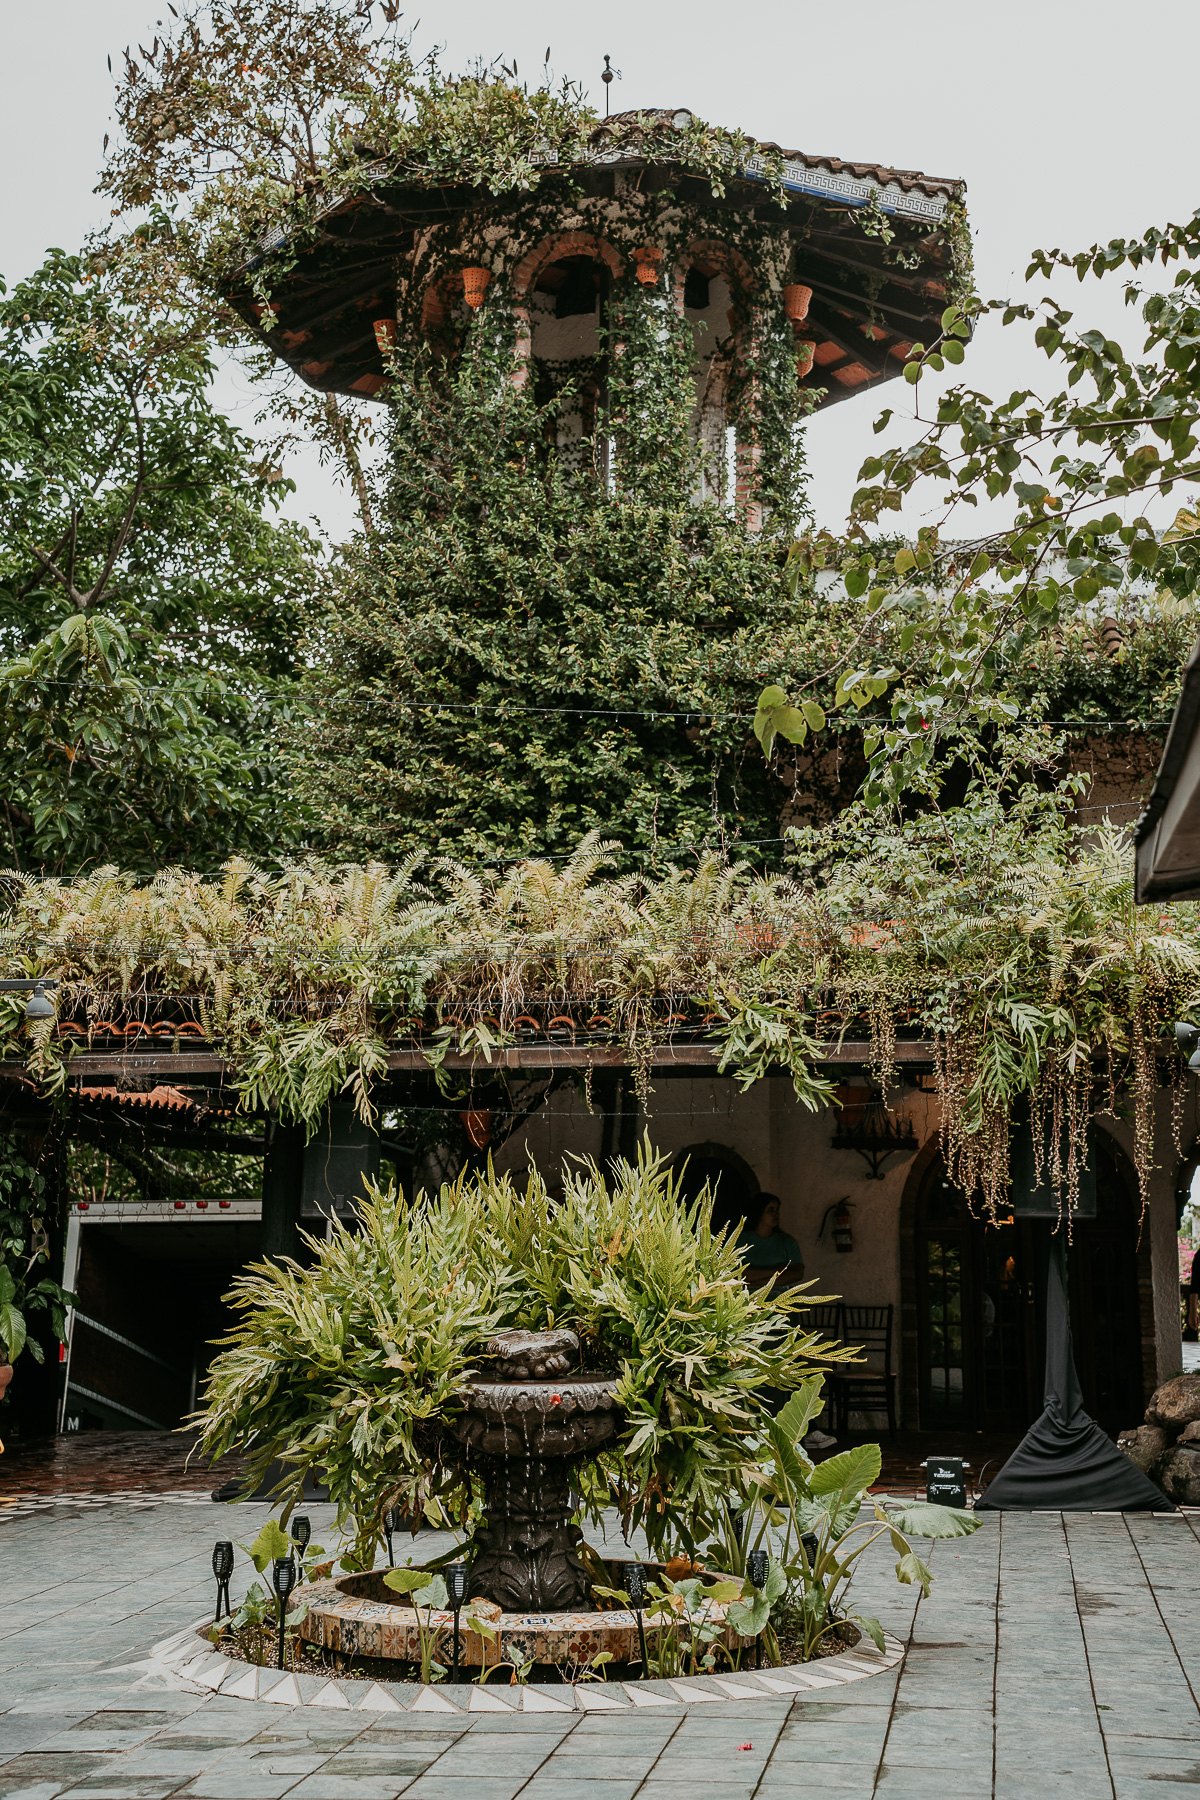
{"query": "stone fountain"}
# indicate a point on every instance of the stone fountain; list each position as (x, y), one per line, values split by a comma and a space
(529, 1418)
(528, 1422)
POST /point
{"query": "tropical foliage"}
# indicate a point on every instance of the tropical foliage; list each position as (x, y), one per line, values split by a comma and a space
(29, 1294)
(999, 928)
(815, 1522)
(355, 1363)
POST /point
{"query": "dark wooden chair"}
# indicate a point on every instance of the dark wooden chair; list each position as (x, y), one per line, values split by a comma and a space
(871, 1387)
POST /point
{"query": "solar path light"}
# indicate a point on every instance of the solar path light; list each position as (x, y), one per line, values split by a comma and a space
(457, 1588)
(301, 1532)
(757, 1568)
(283, 1576)
(222, 1568)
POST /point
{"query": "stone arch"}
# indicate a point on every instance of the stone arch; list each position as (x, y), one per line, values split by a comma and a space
(724, 259)
(715, 367)
(711, 1159)
(438, 300)
(552, 249)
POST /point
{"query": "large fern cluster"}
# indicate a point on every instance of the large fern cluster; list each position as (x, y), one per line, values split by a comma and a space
(355, 1363)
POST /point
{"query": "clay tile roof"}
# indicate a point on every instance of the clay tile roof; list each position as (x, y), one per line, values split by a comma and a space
(158, 1099)
(844, 175)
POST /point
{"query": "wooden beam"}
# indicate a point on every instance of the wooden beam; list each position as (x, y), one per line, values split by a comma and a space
(101, 1066)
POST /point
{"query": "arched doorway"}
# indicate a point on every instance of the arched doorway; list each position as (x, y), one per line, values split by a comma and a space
(978, 1292)
(732, 1181)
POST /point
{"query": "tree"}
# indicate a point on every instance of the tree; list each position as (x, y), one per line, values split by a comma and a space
(952, 622)
(152, 608)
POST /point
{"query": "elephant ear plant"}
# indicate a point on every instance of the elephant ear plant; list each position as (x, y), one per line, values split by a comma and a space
(818, 1520)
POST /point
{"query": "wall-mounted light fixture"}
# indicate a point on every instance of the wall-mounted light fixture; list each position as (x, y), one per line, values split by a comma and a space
(37, 1006)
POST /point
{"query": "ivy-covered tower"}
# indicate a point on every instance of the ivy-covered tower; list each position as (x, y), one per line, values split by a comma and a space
(598, 376)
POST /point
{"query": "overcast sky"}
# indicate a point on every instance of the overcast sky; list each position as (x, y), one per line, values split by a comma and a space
(1069, 122)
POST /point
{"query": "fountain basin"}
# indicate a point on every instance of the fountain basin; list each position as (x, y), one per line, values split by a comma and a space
(356, 1615)
(572, 1415)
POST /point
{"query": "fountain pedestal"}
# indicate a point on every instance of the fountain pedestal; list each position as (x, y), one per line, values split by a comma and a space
(529, 1426)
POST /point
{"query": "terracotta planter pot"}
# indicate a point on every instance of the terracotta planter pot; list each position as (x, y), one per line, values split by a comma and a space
(805, 352)
(385, 335)
(475, 285)
(795, 302)
(649, 262)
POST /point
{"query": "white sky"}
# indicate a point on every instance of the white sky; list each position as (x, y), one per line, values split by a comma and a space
(1068, 122)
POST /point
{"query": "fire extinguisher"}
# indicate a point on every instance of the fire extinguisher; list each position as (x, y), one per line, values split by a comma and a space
(843, 1228)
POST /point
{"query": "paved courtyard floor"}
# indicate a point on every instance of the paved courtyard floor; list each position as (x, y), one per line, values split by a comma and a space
(1057, 1656)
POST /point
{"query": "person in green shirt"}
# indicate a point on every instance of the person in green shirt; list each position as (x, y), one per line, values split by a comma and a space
(763, 1245)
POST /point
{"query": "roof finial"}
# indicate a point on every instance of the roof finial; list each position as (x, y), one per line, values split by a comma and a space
(608, 76)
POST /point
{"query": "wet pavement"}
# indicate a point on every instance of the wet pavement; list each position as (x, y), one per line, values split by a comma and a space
(1057, 1655)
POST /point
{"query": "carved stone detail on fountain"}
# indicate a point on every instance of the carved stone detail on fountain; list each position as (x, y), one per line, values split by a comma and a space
(527, 1426)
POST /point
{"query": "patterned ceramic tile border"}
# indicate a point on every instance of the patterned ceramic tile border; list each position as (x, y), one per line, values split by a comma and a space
(179, 1662)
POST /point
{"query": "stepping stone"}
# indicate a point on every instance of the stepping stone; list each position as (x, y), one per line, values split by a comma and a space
(377, 1699)
(692, 1693)
(591, 1697)
(738, 1690)
(536, 1699)
(483, 1700)
(776, 1684)
(214, 1674)
(284, 1693)
(330, 1695)
(646, 1696)
(429, 1700)
(243, 1687)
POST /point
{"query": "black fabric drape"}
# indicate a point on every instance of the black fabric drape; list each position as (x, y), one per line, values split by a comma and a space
(1065, 1462)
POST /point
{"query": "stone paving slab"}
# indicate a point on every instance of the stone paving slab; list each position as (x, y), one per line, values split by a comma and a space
(1057, 1656)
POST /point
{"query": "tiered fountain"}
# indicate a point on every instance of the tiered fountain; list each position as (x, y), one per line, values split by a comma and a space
(527, 1423)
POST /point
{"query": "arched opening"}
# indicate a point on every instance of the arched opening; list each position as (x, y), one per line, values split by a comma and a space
(731, 1180)
(975, 1296)
(711, 284)
(568, 311)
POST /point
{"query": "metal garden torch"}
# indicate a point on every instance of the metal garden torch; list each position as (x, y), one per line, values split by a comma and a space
(635, 1587)
(757, 1568)
(392, 1521)
(456, 1589)
(283, 1576)
(222, 1568)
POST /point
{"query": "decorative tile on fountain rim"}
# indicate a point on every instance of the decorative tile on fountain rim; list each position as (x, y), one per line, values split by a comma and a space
(251, 1681)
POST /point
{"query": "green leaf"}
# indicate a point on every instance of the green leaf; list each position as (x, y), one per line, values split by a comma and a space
(749, 1616)
(910, 1568)
(797, 1415)
(408, 1581)
(872, 1627)
(12, 1331)
(920, 1518)
(272, 1542)
(852, 1472)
